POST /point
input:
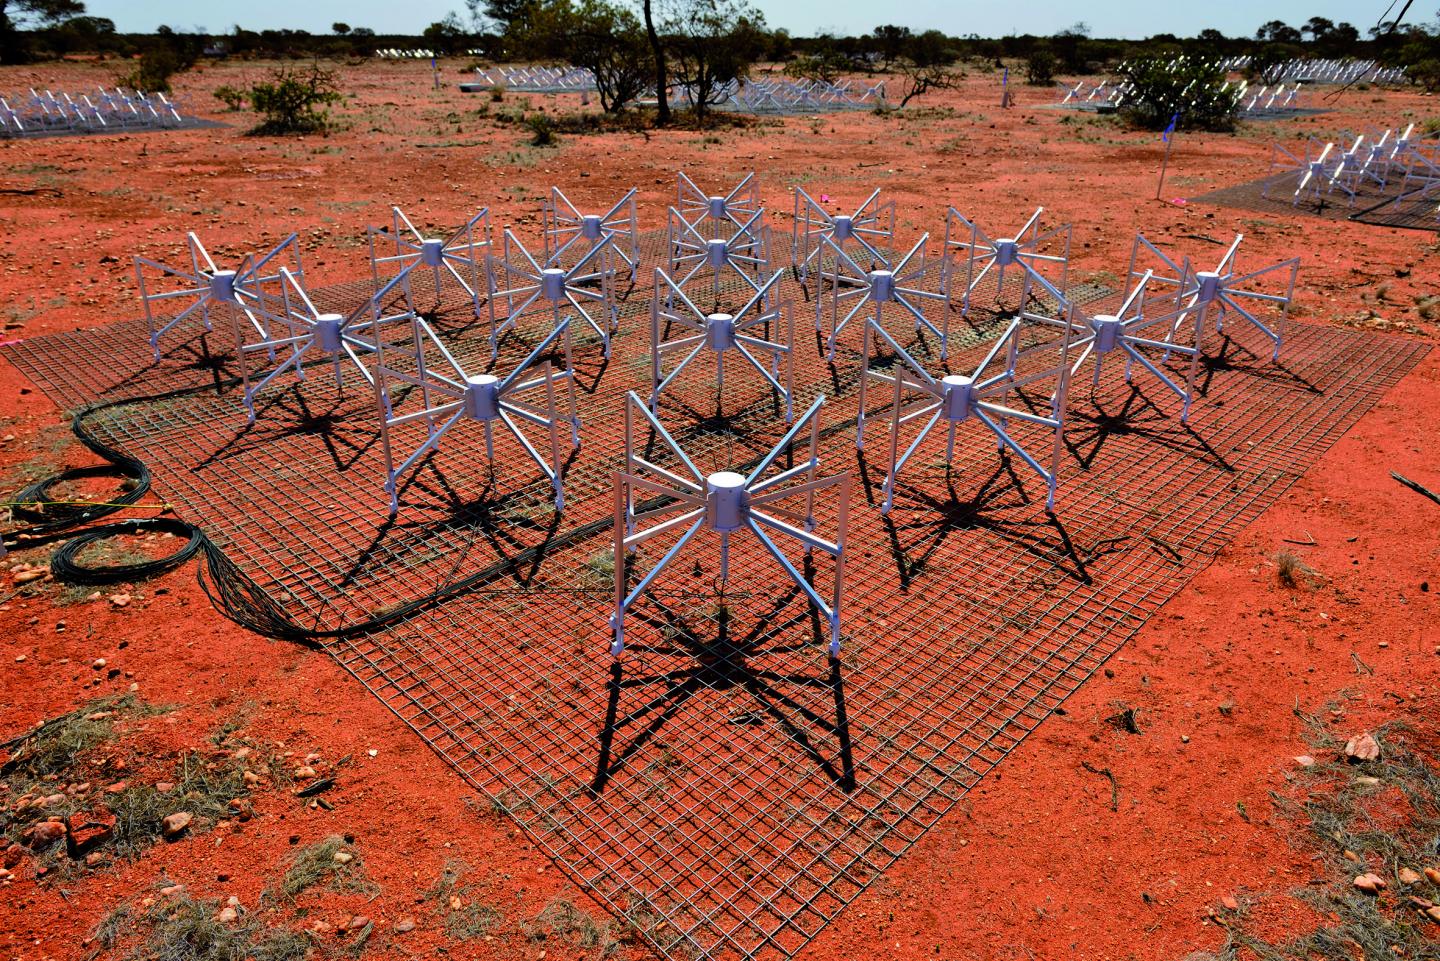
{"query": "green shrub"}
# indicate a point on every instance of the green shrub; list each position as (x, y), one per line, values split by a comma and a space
(1193, 89)
(295, 101)
(152, 72)
(232, 97)
(542, 129)
(1040, 66)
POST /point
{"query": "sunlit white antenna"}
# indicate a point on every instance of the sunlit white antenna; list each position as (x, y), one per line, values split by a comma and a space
(870, 228)
(679, 499)
(424, 390)
(1040, 258)
(251, 289)
(760, 336)
(523, 285)
(717, 214)
(1017, 364)
(741, 253)
(570, 234)
(867, 290)
(462, 256)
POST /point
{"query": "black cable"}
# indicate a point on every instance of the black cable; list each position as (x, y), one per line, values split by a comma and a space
(65, 564)
(50, 517)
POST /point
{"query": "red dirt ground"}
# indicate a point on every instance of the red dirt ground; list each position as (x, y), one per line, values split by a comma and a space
(1035, 865)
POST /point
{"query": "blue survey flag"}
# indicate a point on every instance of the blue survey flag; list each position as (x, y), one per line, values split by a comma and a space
(1165, 134)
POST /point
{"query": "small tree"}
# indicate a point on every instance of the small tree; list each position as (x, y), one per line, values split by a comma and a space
(891, 42)
(919, 80)
(713, 42)
(340, 29)
(18, 15)
(170, 53)
(599, 35)
(445, 35)
(295, 101)
(1193, 89)
(823, 64)
(1040, 65)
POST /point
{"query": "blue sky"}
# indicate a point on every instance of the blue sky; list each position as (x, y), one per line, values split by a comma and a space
(1115, 18)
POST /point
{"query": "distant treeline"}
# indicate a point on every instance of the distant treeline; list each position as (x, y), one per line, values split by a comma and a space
(1074, 50)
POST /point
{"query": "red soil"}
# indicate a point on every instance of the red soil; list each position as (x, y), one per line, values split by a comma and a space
(1036, 864)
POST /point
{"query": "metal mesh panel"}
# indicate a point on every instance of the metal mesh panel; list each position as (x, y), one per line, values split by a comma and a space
(726, 788)
(1383, 208)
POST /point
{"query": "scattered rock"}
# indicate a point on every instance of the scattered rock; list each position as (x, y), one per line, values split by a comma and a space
(1370, 883)
(172, 890)
(405, 926)
(1432, 875)
(1230, 903)
(42, 834)
(120, 600)
(1361, 748)
(164, 787)
(98, 663)
(1407, 876)
(227, 915)
(343, 857)
(1433, 914)
(14, 854)
(357, 922)
(87, 831)
(1305, 760)
(176, 824)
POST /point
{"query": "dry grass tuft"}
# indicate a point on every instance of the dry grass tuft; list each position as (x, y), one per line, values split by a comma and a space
(1292, 572)
(318, 864)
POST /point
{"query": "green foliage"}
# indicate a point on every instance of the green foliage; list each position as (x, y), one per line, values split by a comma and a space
(713, 42)
(1193, 89)
(542, 129)
(295, 101)
(20, 15)
(602, 36)
(1040, 66)
(823, 64)
(152, 72)
(232, 97)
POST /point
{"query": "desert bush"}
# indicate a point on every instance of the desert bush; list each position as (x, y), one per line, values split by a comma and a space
(232, 97)
(1193, 89)
(1425, 74)
(713, 42)
(542, 129)
(823, 64)
(1040, 66)
(295, 101)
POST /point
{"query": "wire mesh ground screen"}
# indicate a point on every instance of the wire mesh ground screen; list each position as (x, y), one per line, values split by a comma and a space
(725, 788)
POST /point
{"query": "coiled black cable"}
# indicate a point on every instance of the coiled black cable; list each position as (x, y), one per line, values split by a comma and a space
(50, 518)
(65, 564)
